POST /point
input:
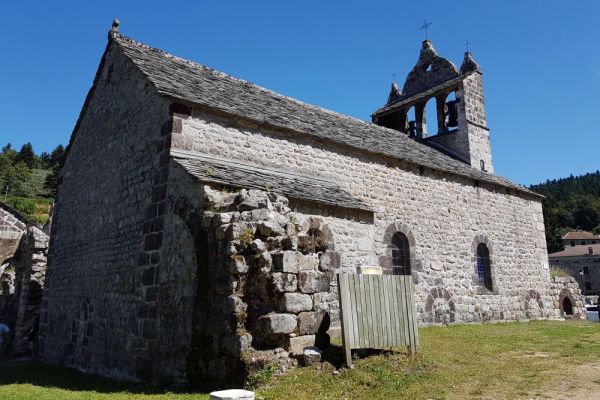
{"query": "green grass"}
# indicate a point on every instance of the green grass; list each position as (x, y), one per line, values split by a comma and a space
(36, 209)
(499, 361)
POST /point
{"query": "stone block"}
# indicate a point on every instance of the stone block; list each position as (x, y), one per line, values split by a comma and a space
(326, 301)
(309, 322)
(232, 394)
(296, 345)
(296, 302)
(283, 282)
(237, 265)
(258, 246)
(293, 261)
(311, 356)
(330, 260)
(313, 282)
(278, 323)
(252, 199)
(266, 229)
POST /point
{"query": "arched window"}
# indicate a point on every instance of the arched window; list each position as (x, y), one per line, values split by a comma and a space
(484, 270)
(400, 254)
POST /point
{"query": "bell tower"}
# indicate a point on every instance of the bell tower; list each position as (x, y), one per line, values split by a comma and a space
(461, 131)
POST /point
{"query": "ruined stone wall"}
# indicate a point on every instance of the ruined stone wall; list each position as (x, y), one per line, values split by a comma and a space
(247, 286)
(443, 216)
(99, 307)
(30, 274)
(584, 269)
(562, 288)
(11, 230)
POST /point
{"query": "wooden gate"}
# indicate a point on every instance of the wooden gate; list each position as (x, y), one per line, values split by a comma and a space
(377, 312)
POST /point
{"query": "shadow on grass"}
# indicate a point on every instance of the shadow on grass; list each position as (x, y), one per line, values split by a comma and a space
(52, 376)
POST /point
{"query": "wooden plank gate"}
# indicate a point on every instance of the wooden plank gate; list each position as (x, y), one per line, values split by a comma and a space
(377, 312)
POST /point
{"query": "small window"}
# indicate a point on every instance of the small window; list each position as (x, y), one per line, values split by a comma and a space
(586, 270)
(588, 286)
(400, 254)
(593, 242)
(583, 242)
(315, 241)
(572, 243)
(484, 270)
(482, 165)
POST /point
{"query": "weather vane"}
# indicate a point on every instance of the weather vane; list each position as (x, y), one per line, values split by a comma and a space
(467, 43)
(425, 27)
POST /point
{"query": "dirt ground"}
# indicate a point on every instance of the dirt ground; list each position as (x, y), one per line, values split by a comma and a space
(581, 384)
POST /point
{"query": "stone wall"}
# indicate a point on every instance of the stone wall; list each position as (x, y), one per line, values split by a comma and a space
(29, 283)
(584, 269)
(444, 217)
(21, 293)
(472, 122)
(562, 288)
(99, 307)
(11, 230)
(263, 290)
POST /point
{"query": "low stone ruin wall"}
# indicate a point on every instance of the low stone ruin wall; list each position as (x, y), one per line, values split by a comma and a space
(565, 292)
(267, 290)
(22, 283)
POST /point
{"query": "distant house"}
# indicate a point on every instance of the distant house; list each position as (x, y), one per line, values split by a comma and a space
(579, 238)
(581, 257)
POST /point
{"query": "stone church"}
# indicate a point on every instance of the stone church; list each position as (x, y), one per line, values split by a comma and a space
(201, 219)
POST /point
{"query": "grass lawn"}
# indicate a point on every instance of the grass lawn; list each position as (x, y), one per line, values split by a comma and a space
(491, 361)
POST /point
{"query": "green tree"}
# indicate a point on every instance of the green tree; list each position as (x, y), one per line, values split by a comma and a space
(14, 177)
(57, 156)
(57, 159)
(27, 155)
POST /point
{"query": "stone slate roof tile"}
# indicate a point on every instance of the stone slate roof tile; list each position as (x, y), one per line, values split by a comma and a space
(243, 175)
(193, 83)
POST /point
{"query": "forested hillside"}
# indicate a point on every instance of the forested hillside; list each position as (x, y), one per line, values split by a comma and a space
(571, 203)
(28, 182)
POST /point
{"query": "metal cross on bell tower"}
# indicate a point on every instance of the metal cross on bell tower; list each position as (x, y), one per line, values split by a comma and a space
(425, 27)
(467, 43)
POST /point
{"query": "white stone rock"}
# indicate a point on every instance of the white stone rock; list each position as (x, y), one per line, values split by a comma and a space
(232, 394)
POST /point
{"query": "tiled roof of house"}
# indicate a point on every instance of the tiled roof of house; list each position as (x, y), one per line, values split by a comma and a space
(580, 235)
(196, 84)
(577, 251)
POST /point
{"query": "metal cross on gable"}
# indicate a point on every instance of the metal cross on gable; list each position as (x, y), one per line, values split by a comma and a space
(425, 27)
(467, 43)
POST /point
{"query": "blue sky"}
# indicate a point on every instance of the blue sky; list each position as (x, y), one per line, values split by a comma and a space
(541, 62)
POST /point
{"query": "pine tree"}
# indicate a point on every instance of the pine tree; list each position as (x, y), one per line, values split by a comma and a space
(27, 155)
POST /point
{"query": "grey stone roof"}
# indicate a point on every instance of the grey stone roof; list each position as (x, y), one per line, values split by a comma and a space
(193, 83)
(242, 175)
